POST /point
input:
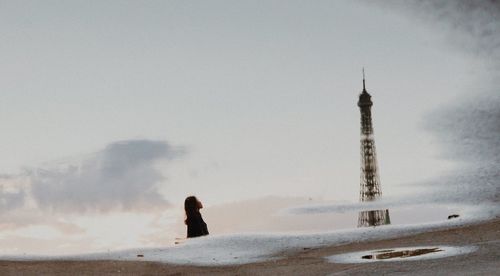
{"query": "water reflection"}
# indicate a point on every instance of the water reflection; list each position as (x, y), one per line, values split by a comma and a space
(391, 253)
(401, 254)
(280, 214)
(374, 218)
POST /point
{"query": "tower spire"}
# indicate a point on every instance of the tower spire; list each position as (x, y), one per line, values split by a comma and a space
(364, 89)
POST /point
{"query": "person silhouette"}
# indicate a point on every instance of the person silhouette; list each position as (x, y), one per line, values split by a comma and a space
(196, 227)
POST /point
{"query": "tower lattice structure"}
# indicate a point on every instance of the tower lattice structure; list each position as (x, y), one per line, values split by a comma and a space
(370, 180)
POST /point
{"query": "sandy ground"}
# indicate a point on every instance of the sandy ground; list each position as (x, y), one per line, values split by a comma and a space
(484, 261)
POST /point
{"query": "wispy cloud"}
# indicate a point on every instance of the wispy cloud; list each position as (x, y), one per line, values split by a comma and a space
(123, 176)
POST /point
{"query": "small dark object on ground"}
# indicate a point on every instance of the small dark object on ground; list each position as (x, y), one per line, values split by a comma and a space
(453, 216)
(306, 248)
(367, 257)
(140, 255)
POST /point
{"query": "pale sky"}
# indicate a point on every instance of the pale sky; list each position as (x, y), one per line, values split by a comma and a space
(227, 100)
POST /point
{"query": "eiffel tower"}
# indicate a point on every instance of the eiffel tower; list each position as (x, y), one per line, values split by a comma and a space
(370, 181)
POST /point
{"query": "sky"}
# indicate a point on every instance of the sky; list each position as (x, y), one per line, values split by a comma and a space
(115, 111)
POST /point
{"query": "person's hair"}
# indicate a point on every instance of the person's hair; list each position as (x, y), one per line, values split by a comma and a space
(191, 207)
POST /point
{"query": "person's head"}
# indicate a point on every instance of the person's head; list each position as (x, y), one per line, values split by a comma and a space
(192, 205)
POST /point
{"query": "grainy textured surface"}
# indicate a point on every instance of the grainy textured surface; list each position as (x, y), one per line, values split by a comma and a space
(484, 261)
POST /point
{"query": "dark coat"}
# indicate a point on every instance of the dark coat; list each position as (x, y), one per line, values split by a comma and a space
(196, 226)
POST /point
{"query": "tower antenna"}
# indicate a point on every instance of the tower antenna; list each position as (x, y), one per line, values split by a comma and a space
(364, 89)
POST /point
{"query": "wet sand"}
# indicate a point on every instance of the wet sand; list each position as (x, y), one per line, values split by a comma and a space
(484, 261)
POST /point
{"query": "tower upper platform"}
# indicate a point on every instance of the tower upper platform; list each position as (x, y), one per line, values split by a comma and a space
(365, 99)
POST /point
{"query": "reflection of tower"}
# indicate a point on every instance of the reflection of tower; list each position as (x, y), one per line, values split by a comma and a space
(374, 218)
(370, 181)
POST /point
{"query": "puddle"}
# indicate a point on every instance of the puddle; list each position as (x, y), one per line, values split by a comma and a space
(391, 253)
(401, 254)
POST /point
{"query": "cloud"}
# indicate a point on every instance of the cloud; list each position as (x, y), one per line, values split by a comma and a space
(468, 131)
(468, 127)
(10, 200)
(123, 176)
(471, 26)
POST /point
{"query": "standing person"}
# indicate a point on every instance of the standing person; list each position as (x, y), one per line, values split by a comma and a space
(195, 225)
